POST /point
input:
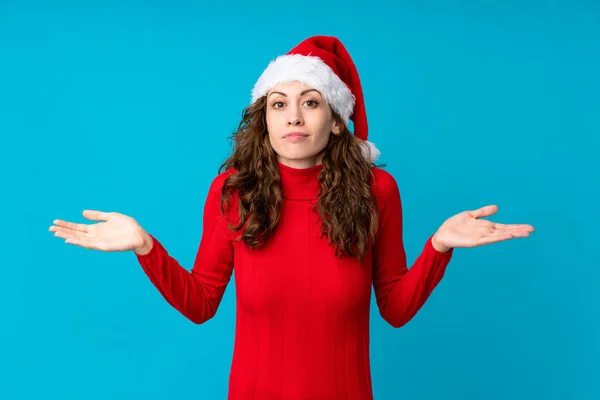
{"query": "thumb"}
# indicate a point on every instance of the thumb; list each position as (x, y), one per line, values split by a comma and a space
(95, 215)
(485, 211)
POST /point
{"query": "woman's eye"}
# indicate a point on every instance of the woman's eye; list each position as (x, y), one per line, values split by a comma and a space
(310, 103)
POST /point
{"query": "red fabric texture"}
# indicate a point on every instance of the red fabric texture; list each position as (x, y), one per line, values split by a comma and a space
(302, 314)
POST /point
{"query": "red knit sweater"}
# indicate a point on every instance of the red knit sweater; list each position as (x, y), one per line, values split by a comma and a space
(302, 315)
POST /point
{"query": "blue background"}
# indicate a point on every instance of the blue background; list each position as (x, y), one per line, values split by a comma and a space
(127, 106)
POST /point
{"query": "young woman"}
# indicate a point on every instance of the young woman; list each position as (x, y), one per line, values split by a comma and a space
(308, 223)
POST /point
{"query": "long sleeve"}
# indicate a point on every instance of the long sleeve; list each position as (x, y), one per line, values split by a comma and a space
(400, 292)
(196, 294)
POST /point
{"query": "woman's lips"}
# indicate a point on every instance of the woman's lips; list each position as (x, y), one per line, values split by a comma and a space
(295, 136)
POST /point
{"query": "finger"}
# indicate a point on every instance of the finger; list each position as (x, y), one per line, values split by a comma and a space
(66, 232)
(515, 226)
(500, 237)
(489, 239)
(510, 228)
(83, 242)
(71, 225)
(485, 211)
(96, 215)
(61, 234)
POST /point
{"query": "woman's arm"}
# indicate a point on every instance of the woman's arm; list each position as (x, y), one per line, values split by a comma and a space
(196, 294)
(400, 292)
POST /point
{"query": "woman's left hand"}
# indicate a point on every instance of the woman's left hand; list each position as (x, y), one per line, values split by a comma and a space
(466, 230)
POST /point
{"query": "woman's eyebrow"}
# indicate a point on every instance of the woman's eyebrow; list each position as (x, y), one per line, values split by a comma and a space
(301, 93)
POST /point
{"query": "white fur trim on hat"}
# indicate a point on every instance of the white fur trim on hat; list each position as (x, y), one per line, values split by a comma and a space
(313, 72)
(369, 151)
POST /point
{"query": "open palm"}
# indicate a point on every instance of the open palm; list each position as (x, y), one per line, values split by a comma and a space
(115, 232)
(467, 229)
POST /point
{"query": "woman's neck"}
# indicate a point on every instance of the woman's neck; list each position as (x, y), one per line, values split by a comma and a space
(301, 163)
(299, 183)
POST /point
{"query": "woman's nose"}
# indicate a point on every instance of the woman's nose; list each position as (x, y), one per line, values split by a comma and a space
(294, 121)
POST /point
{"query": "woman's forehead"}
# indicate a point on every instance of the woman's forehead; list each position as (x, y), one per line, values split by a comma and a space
(291, 87)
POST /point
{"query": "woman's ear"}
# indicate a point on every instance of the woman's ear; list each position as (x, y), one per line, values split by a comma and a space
(336, 128)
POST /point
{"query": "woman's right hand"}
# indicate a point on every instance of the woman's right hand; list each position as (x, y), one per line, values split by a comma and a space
(118, 232)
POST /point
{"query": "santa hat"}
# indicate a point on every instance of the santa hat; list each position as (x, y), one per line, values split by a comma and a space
(323, 63)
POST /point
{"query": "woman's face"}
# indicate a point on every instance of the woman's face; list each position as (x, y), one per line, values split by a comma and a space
(299, 122)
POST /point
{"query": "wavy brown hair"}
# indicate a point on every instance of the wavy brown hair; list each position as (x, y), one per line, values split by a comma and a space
(345, 204)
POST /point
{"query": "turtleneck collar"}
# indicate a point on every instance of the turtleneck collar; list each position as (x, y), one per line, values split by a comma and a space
(299, 183)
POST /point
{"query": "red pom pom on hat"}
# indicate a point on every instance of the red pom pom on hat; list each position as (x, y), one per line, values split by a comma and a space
(323, 63)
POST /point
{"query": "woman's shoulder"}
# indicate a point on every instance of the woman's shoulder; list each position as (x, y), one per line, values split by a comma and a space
(219, 180)
(384, 185)
(383, 180)
(215, 199)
